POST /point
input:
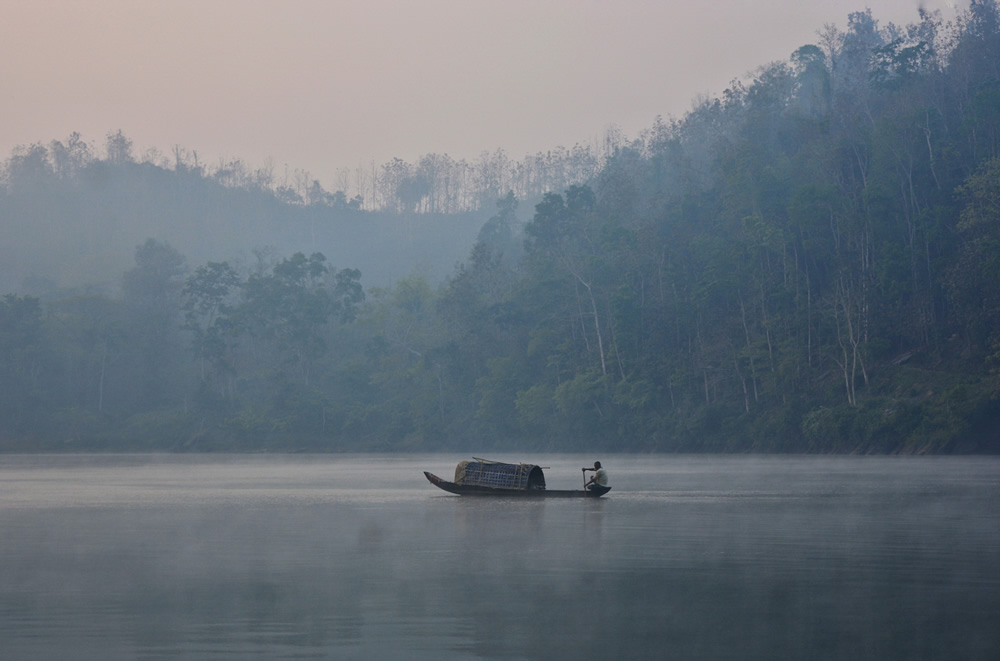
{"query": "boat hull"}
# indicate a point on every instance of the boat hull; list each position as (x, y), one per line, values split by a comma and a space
(467, 490)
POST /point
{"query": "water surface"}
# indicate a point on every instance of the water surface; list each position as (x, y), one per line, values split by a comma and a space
(358, 557)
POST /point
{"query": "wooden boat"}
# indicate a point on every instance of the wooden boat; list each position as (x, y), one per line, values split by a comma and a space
(493, 478)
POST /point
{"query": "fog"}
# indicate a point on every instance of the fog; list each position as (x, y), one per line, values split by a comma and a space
(124, 557)
(359, 168)
(320, 98)
(595, 293)
(325, 87)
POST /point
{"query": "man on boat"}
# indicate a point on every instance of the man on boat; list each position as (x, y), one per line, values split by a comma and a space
(600, 477)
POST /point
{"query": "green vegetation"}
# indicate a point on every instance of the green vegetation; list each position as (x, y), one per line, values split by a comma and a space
(809, 263)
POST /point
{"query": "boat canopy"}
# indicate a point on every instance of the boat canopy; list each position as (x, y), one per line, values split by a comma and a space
(497, 475)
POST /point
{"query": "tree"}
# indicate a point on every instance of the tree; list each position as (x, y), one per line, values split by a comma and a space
(563, 231)
(71, 157)
(972, 280)
(210, 295)
(29, 170)
(500, 232)
(118, 148)
(151, 299)
(87, 336)
(812, 80)
(287, 310)
(20, 367)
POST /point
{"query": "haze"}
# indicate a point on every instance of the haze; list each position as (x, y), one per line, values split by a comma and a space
(322, 86)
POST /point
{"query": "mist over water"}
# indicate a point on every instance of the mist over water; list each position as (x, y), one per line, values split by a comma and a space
(315, 557)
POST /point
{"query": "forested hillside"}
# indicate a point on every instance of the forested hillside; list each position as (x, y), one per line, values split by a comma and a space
(71, 217)
(807, 263)
(74, 211)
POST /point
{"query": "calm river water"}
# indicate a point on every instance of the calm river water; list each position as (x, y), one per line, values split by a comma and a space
(359, 557)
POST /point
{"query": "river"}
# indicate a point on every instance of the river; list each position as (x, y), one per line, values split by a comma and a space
(358, 557)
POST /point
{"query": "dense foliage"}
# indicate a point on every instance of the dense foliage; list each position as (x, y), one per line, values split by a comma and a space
(808, 263)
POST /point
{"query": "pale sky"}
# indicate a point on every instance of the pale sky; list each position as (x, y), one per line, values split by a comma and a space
(326, 85)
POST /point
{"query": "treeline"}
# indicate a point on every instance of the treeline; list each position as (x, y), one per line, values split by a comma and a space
(178, 356)
(435, 183)
(70, 218)
(74, 211)
(808, 263)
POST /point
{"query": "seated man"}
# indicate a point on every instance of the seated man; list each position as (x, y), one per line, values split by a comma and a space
(600, 477)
